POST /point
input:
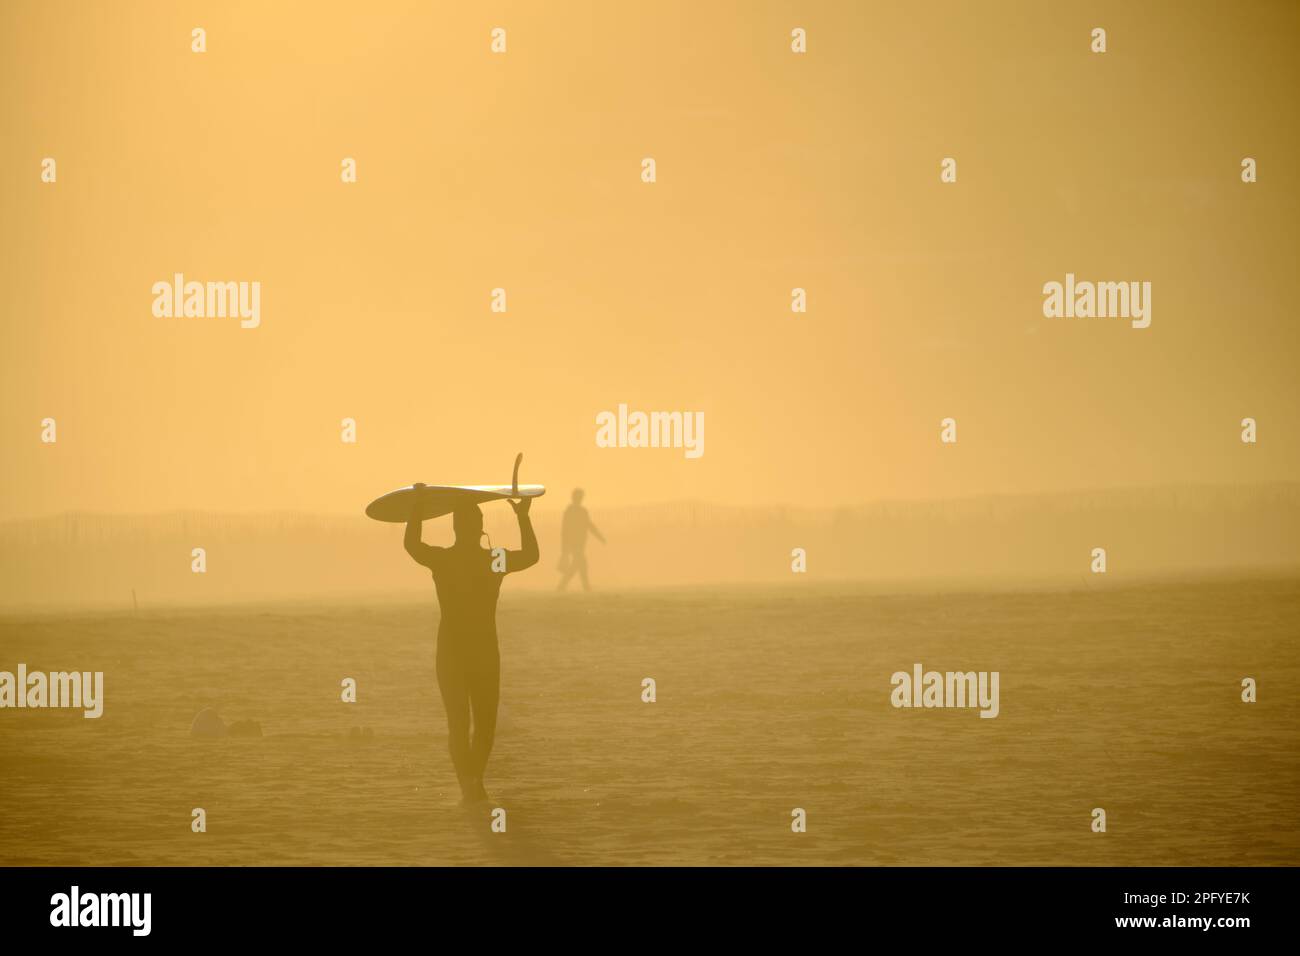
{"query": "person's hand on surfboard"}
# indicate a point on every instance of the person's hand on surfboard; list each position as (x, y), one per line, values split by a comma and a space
(521, 506)
(417, 492)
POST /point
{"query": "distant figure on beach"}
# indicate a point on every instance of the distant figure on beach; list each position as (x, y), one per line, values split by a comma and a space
(573, 542)
(469, 663)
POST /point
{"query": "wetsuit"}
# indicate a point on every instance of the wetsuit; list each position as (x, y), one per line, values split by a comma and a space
(468, 660)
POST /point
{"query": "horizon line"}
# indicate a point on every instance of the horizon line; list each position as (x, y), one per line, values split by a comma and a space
(709, 503)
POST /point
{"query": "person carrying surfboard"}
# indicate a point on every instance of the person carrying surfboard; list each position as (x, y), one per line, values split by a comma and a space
(468, 579)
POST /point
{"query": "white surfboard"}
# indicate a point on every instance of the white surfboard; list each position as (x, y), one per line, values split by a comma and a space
(438, 500)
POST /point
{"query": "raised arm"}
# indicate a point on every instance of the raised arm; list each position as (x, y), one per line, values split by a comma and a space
(528, 552)
(422, 553)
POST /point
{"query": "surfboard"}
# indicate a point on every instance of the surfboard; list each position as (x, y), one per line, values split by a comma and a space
(438, 500)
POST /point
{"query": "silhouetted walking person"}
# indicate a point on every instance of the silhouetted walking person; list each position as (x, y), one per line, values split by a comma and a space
(573, 542)
(469, 663)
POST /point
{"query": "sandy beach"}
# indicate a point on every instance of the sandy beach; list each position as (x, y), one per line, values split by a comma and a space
(768, 699)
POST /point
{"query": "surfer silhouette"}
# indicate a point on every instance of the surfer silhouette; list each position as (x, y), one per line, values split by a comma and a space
(573, 541)
(469, 662)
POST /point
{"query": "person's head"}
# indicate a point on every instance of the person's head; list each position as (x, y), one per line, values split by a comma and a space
(467, 522)
(577, 496)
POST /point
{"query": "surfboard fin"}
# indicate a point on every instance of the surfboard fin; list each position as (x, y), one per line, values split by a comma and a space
(514, 482)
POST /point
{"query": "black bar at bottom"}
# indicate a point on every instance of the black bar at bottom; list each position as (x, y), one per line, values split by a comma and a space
(205, 904)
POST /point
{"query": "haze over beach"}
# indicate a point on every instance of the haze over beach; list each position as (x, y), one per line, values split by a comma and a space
(113, 561)
(817, 172)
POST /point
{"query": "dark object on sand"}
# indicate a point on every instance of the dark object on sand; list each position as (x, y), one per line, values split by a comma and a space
(208, 723)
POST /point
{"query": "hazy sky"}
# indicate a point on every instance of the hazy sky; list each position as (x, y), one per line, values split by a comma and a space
(523, 170)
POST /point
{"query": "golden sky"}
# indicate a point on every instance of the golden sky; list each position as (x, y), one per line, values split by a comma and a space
(522, 170)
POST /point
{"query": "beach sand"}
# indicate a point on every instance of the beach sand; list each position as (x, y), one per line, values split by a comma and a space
(768, 699)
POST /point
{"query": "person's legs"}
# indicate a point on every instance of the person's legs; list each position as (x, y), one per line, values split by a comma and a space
(455, 698)
(484, 696)
(570, 569)
(581, 562)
